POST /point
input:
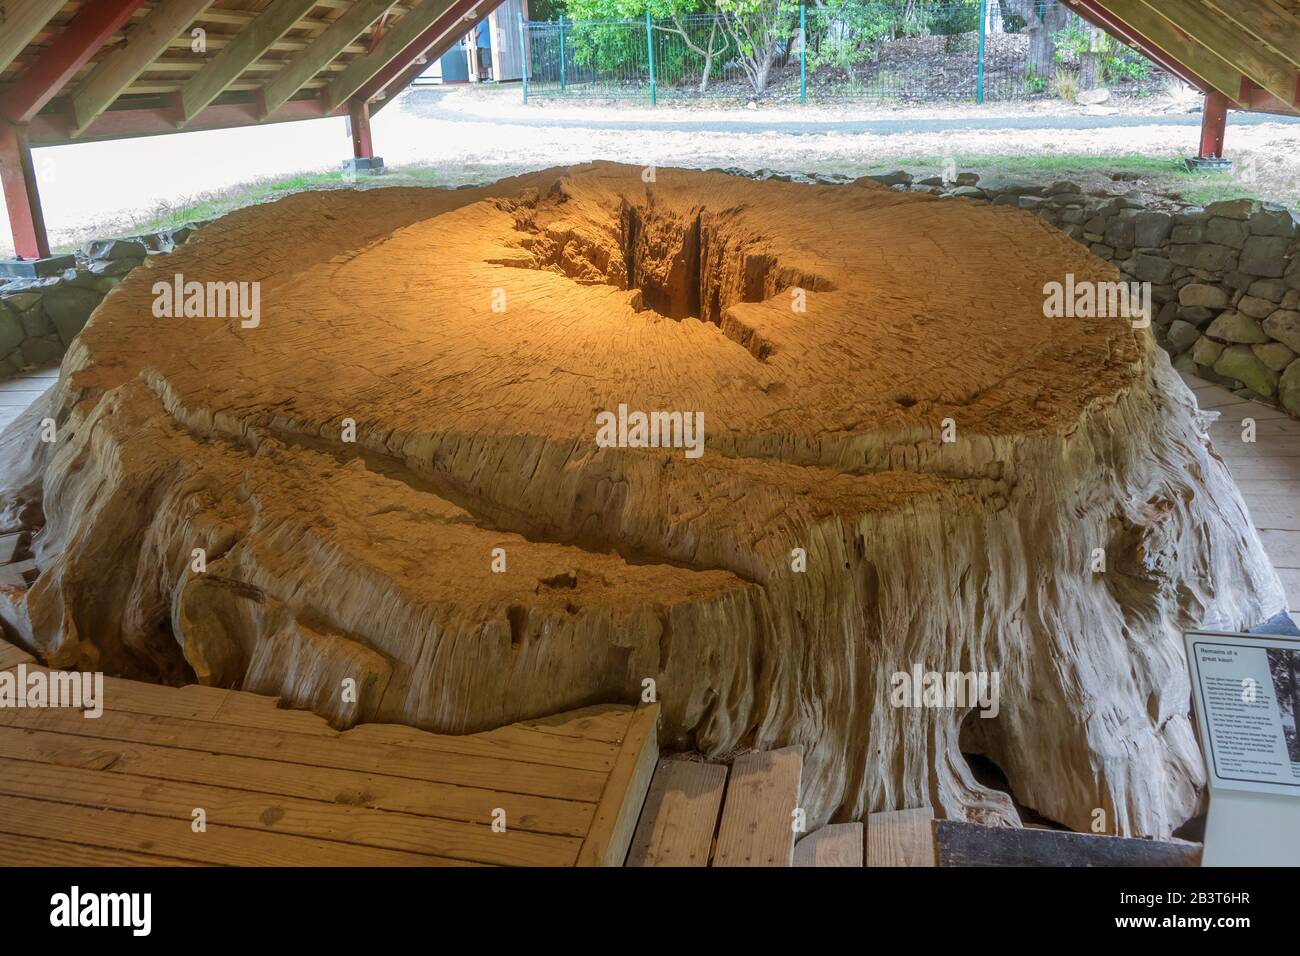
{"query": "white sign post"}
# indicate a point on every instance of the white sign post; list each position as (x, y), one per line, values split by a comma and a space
(1246, 693)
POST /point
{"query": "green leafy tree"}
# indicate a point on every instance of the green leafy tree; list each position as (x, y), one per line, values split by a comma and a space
(1043, 18)
(610, 47)
(851, 32)
(761, 31)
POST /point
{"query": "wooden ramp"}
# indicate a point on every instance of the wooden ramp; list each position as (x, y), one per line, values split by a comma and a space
(281, 787)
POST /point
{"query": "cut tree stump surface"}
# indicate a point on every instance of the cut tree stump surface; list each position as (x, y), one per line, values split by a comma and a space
(396, 476)
(281, 787)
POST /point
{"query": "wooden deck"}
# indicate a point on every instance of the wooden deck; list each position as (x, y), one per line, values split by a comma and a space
(1267, 471)
(280, 787)
(706, 814)
(20, 391)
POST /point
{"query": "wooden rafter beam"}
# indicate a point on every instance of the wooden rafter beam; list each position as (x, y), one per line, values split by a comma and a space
(1267, 22)
(453, 20)
(1239, 50)
(145, 43)
(1177, 45)
(72, 49)
(20, 21)
(337, 37)
(240, 53)
(393, 43)
(51, 129)
(466, 24)
(1098, 16)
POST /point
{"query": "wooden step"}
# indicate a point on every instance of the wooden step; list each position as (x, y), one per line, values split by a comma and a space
(680, 814)
(965, 844)
(838, 844)
(757, 827)
(901, 838)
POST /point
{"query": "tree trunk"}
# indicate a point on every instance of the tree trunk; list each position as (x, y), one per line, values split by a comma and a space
(1090, 61)
(1042, 51)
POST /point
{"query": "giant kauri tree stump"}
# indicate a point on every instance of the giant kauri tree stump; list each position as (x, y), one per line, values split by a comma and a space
(827, 538)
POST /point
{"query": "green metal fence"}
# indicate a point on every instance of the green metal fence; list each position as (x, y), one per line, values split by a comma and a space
(901, 50)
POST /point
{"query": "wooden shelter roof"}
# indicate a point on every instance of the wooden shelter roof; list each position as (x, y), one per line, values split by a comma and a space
(80, 70)
(1248, 50)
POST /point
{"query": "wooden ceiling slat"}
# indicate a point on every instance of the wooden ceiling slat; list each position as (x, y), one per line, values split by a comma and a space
(1239, 50)
(251, 42)
(391, 45)
(65, 58)
(146, 42)
(338, 37)
(1177, 45)
(20, 22)
(1267, 22)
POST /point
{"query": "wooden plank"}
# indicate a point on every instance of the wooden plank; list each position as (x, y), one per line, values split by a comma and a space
(11, 545)
(1245, 469)
(511, 742)
(624, 793)
(333, 41)
(1255, 488)
(680, 814)
(35, 851)
(119, 69)
(839, 844)
(901, 838)
(271, 23)
(966, 844)
(390, 46)
(1234, 413)
(253, 710)
(1266, 21)
(457, 769)
(343, 787)
(604, 722)
(1283, 547)
(1236, 48)
(1278, 446)
(1231, 432)
(12, 656)
(1220, 400)
(1291, 585)
(23, 19)
(1177, 45)
(1275, 512)
(19, 574)
(262, 814)
(757, 827)
(116, 830)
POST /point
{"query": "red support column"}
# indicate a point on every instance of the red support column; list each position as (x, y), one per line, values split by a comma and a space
(18, 177)
(1213, 121)
(359, 114)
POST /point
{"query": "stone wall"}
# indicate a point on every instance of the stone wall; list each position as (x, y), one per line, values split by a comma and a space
(1225, 279)
(40, 317)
